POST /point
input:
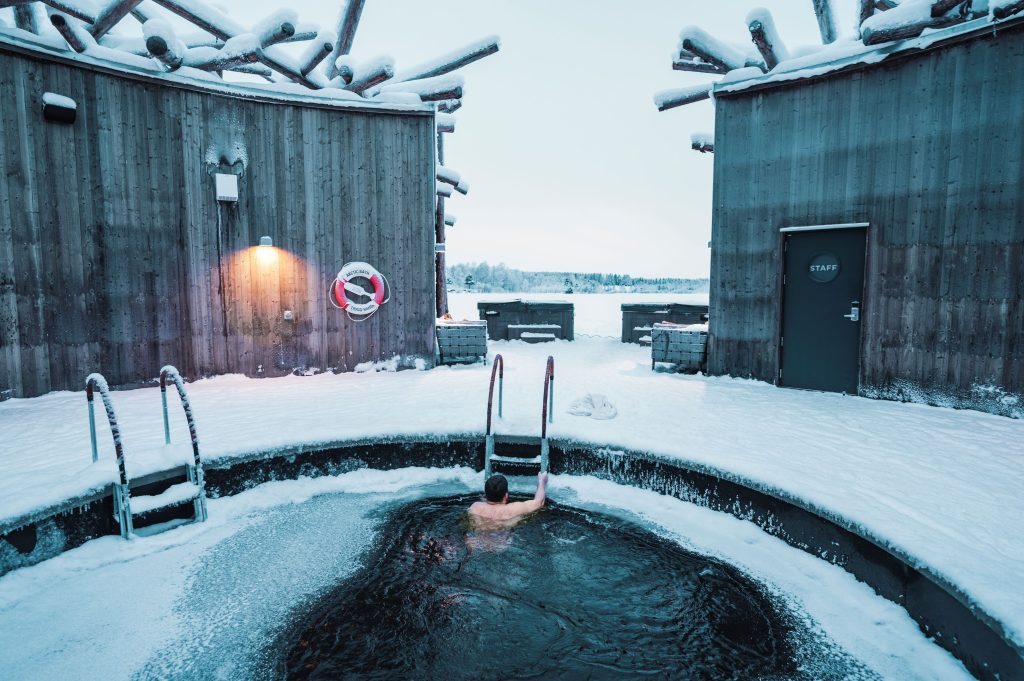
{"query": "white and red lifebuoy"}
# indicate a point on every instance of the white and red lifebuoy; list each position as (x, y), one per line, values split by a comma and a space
(344, 285)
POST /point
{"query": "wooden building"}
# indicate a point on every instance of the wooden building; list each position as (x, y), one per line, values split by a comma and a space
(868, 222)
(117, 256)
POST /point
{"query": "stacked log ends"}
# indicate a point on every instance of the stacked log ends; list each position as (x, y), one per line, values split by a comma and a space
(688, 61)
(940, 7)
(711, 50)
(318, 50)
(1006, 10)
(213, 53)
(884, 34)
(70, 32)
(826, 22)
(110, 15)
(669, 99)
(880, 21)
(766, 39)
(449, 106)
(163, 44)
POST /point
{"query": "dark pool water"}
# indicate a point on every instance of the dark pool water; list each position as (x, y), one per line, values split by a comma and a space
(566, 594)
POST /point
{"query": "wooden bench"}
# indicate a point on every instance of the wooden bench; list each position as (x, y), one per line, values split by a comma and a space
(534, 333)
(461, 342)
(641, 335)
(685, 347)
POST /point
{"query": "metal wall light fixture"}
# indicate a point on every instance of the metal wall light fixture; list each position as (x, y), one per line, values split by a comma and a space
(266, 254)
(58, 108)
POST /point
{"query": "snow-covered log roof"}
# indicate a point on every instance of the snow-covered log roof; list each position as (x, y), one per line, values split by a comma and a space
(217, 44)
(885, 27)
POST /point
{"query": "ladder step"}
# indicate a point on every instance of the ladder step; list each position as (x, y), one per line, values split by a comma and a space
(172, 496)
(150, 530)
(516, 439)
(522, 461)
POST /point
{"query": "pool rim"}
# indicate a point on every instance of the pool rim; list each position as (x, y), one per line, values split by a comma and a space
(469, 452)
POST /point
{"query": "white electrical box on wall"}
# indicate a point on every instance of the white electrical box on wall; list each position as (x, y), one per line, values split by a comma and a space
(227, 187)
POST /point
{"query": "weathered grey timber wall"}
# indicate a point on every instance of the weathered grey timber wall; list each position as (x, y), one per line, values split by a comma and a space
(115, 255)
(928, 149)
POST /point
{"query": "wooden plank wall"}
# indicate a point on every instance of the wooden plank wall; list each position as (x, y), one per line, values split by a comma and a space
(927, 149)
(116, 257)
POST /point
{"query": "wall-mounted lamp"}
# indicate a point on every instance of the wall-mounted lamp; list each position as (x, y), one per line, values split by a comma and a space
(266, 254)
(58, 108)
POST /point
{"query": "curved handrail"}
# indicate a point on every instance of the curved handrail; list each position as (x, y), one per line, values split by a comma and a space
(172, 373)
(547, 412)
(97, 382)
(499, 367)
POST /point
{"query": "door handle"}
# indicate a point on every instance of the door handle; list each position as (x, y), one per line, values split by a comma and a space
(854, 315)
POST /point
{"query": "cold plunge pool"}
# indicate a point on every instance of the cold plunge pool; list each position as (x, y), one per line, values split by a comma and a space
(565, 594)
(385, 579)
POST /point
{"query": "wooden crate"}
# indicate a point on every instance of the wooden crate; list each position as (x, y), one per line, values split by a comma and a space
(462, 342)
(686, 348)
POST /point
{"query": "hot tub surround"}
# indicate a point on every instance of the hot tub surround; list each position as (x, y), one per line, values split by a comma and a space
(941, 609)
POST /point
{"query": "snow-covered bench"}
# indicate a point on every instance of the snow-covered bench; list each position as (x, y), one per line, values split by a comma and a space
(534, 333)
(641, 335)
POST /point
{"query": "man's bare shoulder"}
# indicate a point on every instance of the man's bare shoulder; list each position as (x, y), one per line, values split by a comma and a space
(480, 508)
(507, 511)
(483, 509)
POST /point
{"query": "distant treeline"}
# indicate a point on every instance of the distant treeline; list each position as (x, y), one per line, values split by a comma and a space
(502, 279)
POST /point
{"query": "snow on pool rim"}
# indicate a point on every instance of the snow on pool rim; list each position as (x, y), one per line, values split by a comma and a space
(873, 630)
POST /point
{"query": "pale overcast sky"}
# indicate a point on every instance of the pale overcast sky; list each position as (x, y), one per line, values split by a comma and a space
(570, 165)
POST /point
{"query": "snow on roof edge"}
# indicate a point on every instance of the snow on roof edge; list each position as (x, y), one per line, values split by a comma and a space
(870, 55)
(19, 39)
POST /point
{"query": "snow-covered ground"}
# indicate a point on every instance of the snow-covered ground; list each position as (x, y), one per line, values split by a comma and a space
(938, 486)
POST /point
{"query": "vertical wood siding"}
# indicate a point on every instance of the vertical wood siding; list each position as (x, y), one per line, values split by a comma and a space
(116, 257)
(929, 149)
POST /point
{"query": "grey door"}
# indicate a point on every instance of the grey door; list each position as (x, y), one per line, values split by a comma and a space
(823, 287)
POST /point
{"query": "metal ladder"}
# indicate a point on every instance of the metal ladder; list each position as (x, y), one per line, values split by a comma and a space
(517, 450)
(127, 509)
(194, 470)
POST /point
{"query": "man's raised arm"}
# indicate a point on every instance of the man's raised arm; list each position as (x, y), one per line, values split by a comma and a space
(537, 502)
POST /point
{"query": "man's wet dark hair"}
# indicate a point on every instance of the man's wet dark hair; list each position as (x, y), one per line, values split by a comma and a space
(496, 488)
